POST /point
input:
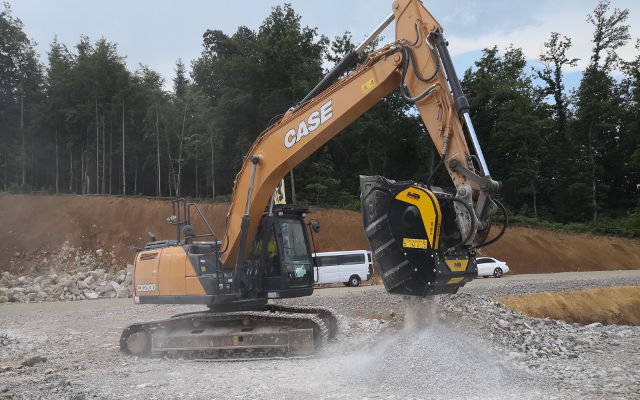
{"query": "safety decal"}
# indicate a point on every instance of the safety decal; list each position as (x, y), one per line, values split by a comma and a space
(415, 243)
(368, 85)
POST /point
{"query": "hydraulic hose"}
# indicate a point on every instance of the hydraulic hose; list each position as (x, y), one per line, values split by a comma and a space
(504, 227)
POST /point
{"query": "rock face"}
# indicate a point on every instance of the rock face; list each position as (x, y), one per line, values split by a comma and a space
(89, 281)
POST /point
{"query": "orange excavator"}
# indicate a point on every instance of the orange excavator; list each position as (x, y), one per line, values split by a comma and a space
(423, 238)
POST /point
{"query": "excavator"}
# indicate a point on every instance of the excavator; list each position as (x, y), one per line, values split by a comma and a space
(423, 238)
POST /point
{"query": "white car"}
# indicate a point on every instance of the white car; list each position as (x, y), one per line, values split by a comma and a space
(488, 266)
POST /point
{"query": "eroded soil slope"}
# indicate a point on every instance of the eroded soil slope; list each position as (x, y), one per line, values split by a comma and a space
(35, 226)
(618, 305)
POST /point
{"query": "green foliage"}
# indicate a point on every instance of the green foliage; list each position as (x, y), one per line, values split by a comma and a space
(627, 226)
(511, 121)
(19, 189)
(572, 159)
(598, 152)
(244, 78)
(20, 92)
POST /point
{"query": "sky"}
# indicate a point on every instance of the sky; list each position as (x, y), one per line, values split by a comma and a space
(156, 33)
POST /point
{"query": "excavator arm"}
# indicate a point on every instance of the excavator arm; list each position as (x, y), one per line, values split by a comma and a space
(418, 62)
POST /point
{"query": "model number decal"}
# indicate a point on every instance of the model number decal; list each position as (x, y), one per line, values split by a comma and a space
(146, 287)
(313, 121)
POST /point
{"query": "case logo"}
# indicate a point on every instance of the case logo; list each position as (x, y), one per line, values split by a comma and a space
(315, 119)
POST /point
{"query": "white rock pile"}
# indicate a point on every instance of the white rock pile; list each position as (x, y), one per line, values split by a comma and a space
(88, 285)
(74, 274)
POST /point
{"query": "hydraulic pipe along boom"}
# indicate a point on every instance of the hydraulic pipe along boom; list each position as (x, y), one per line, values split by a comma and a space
(460, 100)
(349, 60)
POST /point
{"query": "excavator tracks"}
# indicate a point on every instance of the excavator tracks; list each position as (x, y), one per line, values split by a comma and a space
(276, 332)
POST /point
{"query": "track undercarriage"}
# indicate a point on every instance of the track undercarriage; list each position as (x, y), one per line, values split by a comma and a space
(275, 331)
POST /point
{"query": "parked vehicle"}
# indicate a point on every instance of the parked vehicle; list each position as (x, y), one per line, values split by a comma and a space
(488, 266)
(348, 267)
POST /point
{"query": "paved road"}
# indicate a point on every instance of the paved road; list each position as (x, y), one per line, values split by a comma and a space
(632, 275)
(560, 276)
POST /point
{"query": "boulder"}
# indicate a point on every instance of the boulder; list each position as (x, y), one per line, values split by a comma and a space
(8, 275)
(104, 288)
(21, 281)
(46, 282)
(31, 289)
(65, 282)
(4, 299)
(98, 274)
(90, 281)
(55, 289)
(108, 294)
(15, 294)
(4, 291)
(90, 295)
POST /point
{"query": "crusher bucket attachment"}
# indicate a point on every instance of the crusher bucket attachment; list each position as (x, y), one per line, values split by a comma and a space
(415, 237)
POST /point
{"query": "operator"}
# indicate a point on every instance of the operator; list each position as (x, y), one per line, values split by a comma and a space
(272, 259)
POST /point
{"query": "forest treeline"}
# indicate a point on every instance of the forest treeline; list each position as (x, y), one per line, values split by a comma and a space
(81, 122)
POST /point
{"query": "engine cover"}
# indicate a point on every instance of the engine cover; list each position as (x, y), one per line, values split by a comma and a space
(414, 237)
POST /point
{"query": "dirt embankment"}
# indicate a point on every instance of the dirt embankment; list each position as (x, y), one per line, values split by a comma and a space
(35, 225)
(614, 305)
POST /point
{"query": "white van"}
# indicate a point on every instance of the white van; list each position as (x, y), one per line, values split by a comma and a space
(348, 267)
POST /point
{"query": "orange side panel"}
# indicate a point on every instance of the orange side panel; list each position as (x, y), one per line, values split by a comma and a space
(145, 273)
(193, 285)
(171, 271)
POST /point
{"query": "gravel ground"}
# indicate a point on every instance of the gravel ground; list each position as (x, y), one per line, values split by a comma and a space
(463, 346)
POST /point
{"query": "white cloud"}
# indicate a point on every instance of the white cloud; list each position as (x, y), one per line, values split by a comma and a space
(568, 21)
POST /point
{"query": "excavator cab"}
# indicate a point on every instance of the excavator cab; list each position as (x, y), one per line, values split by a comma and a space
(282, 253)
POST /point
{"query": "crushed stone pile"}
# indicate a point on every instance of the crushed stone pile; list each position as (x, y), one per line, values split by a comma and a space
(73, 274)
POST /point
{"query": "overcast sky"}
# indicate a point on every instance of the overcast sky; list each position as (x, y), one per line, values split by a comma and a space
(158, 32)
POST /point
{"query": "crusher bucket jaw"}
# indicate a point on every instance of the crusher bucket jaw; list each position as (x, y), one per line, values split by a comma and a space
(416, 238)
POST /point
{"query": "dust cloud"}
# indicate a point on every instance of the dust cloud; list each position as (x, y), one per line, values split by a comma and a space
(425, 359)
